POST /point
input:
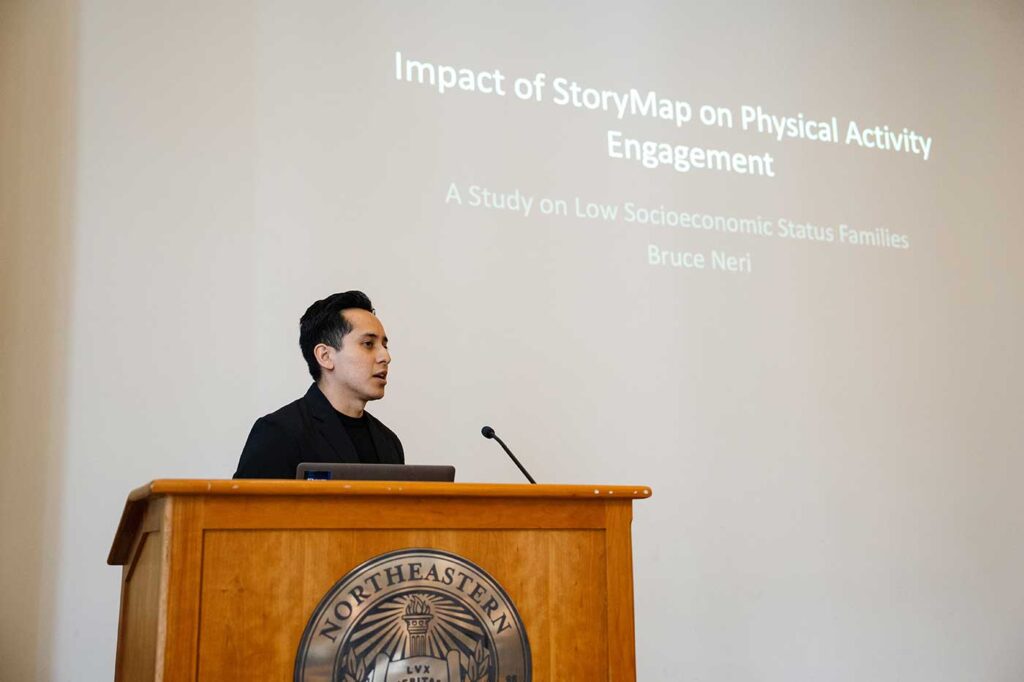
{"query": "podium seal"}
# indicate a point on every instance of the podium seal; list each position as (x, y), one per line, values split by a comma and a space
(415, 615)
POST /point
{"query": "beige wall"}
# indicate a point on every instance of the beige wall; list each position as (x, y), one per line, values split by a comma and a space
(37, 79)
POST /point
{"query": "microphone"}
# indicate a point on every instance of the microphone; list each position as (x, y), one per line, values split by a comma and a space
(488, 432)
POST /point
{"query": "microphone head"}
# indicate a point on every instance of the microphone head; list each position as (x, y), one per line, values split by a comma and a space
(487, 432)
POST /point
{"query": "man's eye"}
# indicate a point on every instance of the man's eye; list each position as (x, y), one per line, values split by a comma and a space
(368, 344)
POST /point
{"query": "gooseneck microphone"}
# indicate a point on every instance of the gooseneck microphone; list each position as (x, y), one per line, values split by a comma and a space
(488, 432)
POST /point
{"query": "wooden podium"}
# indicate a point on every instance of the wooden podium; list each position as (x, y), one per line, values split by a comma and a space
(221, 577)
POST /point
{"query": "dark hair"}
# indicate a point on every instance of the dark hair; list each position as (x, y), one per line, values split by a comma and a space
(323, 322)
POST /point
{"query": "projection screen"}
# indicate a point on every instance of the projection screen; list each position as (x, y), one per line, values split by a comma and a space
(763, 257)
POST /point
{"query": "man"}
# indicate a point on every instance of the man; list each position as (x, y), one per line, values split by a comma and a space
(346, 349)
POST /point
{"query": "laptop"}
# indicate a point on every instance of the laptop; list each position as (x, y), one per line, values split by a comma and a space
(334, 471)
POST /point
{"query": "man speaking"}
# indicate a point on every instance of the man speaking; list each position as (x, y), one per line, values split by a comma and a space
(346, 349)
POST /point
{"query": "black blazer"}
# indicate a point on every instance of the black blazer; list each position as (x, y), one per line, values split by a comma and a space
(308, 430)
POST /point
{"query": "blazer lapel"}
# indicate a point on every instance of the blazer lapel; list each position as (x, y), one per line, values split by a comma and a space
(385, 450)
(328, 426)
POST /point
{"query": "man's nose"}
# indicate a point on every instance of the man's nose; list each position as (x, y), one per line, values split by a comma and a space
(384, 356)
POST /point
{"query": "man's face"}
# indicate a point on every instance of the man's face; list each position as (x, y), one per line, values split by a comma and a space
(361, 364)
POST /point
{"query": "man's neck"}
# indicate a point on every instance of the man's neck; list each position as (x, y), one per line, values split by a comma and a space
(346, 404)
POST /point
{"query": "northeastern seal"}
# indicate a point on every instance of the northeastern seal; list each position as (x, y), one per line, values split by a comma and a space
(415, 615)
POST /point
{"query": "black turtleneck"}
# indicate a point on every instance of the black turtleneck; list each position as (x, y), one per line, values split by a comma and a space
(359, 432)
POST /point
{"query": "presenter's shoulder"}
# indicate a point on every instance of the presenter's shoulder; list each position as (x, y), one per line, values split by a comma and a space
(287, 418)
(273, 448)
(295, 416)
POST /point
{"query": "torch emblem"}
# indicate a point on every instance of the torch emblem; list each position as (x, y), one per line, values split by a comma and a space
(416, 615)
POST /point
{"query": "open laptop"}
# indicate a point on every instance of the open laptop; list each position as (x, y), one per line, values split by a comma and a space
(332, 471)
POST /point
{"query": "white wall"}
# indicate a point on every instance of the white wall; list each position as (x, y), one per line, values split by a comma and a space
(832, 439)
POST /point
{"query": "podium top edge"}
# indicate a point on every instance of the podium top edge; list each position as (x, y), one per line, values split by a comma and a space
(171, 486)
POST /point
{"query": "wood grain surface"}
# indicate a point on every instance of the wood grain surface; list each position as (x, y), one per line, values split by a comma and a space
(243, 568)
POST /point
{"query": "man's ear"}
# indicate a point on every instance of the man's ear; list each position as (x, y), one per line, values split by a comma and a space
(324, 355)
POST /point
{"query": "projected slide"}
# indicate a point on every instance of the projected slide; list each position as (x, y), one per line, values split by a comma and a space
(680, 149)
